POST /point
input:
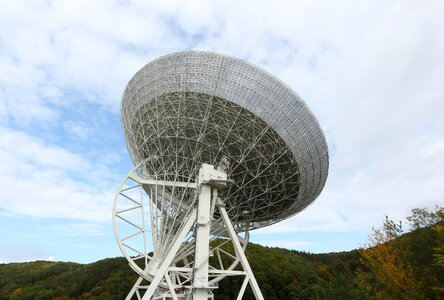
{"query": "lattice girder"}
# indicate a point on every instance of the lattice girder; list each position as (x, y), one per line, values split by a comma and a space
(194, 107)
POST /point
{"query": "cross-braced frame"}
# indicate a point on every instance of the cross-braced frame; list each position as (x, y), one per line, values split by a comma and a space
(194, 107)
(190, 109)
(165, 240)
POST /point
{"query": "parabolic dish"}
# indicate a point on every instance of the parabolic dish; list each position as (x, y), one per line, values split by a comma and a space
(189, 108)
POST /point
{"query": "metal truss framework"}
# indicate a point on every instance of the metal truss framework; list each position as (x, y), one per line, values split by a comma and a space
(188, 109)
(176, 263)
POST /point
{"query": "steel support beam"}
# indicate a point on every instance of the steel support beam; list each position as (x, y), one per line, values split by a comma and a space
(240, 252)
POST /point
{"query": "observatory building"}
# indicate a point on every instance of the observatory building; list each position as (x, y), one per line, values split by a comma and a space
(220, 147)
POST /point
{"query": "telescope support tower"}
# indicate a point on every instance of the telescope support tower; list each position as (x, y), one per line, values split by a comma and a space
(181, 227)
(204, 278)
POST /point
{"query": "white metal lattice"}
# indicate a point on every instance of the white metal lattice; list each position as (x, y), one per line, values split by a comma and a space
(190, 109)
(194, 107)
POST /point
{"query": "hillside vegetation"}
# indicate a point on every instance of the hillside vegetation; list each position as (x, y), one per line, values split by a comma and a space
(393, 266)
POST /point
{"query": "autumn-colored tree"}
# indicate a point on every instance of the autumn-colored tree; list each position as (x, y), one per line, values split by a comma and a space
(62, 298)
(16, 293)
(388, 259)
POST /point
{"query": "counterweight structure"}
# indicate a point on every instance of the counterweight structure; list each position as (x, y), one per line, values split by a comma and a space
(220, 147)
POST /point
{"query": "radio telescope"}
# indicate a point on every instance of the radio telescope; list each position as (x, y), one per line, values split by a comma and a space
(220, 147)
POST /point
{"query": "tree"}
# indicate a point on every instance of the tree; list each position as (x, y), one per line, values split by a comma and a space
(388, 260)
(422, 217)
(439, 248)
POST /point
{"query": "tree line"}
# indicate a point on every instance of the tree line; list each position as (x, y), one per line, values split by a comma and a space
(395, 264)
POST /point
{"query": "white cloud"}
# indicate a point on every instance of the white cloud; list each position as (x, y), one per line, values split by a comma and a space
(38, 180)
(79, 229)
(371, 71)
(35, 151)
(22, 253)
(84, 246)
(378, 96)
(79, 129)
(87, 47)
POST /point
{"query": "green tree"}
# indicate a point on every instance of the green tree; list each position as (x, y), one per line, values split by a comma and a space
(422, 217)
(439, 248)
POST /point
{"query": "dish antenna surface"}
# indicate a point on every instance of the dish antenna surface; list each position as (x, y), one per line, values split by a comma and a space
(220, 147)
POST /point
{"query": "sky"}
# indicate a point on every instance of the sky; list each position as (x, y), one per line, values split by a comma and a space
(371, 71)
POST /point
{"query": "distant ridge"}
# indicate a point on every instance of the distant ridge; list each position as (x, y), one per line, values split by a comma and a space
(281, 273)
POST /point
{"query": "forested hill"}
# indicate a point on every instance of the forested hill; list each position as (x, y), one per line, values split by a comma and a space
(406, 267)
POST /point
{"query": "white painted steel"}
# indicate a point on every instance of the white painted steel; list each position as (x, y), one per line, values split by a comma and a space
(183, 114)
(203, 227)
(194, 107)
(240, 253)
(166, 262)
(188, 231)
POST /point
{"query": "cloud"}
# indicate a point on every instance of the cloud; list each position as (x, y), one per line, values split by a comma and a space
(79, 129)
(89, 48)
(371, 72)
(35, 151)
(22, 253)
(377, 94)
(78, 229)
(37, 179)
(84, 246)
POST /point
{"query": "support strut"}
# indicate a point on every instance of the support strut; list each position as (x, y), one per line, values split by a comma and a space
(209, 181)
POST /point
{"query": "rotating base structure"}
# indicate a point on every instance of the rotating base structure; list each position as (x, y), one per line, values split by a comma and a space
(183, 237)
